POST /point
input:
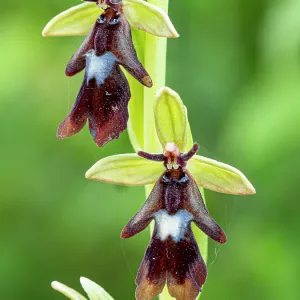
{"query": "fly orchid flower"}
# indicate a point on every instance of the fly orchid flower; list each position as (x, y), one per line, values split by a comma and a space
(105, 92)
(173, 257)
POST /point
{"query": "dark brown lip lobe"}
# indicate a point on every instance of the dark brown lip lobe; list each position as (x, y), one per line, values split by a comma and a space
(105, 93)
(173, 257)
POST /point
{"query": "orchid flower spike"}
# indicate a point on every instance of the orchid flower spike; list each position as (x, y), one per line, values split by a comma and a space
(104, 94)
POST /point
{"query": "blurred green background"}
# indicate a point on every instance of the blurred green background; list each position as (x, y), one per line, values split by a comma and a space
(237, 68)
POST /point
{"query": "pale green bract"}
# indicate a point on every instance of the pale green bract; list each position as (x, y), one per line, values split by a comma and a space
(80, 19)
(219, 177)
(170, 118)
(126, 169)
(94, 291)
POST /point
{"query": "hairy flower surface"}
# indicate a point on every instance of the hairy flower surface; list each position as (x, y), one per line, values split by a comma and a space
(104, 94)
(172, 257)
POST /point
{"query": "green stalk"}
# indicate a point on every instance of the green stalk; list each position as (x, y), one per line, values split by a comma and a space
(155, 64)
(155, 52)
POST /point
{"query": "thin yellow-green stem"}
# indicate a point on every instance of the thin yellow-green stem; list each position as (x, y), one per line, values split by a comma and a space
(155, 64)
(155, 50)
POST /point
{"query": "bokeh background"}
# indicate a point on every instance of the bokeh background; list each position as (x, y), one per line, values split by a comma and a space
(237, 68)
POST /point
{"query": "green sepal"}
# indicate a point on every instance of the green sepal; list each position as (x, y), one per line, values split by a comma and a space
(148, 17)
(126, 169)
(79, 20)
(170, 118)
(75, 21)
(219, 177)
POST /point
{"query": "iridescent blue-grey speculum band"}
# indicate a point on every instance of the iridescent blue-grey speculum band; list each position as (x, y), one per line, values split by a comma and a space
(104, 94)
(173, 257)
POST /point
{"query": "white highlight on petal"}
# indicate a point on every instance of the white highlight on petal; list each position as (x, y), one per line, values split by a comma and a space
(94, 291)
(99, 67)
(65, 290)
(172, 225)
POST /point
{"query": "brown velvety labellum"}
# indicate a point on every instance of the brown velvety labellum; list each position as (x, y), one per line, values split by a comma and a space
(104, 94)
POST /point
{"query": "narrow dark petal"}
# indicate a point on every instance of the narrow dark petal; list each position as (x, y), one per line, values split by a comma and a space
(114, 35)
(195, 205)
(145, 215)
(78, 61)
(187, 156)
(151, 156)
(127, 56)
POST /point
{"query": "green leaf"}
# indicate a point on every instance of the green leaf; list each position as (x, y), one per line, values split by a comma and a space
(80, 19)
(65, 290)
(170, 118)
(126, 169)
(94, 291)
(77, 20)
(148, 17)
(219, 177)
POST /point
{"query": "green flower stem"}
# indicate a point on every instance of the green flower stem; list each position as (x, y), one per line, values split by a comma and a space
(155, 64)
